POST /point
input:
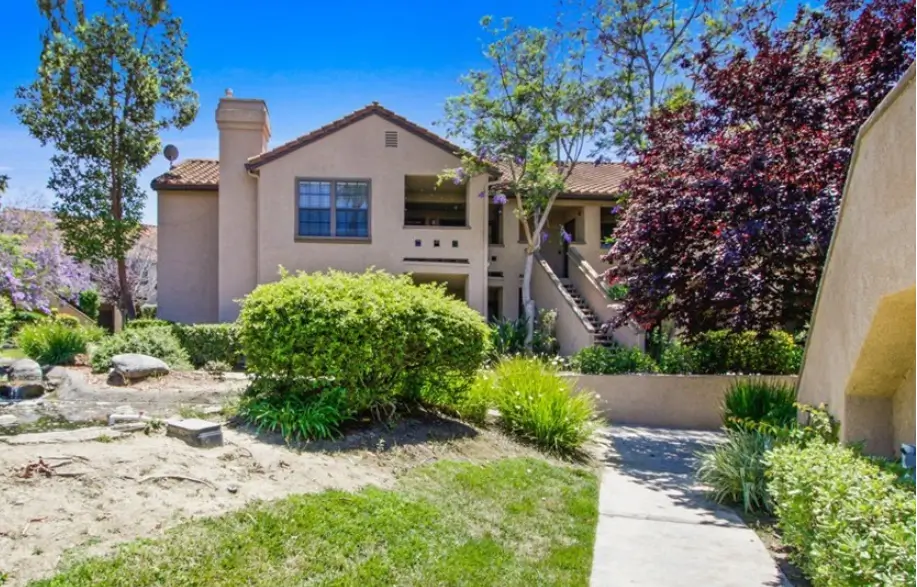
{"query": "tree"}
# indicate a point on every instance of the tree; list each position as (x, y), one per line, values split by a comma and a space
(732, 204)
(141, 274)
(647, 49)
(529, 116)
(106, 86)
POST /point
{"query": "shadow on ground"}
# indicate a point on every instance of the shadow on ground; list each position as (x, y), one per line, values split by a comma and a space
(380, 437)
(664, 461)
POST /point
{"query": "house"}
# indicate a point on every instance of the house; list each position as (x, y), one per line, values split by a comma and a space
(362, 192)
(860, 355)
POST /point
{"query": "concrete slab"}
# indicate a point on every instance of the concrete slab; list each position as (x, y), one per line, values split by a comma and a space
(196, 432)
(657, 529)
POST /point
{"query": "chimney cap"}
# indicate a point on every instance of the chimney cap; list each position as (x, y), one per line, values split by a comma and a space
(229, 92)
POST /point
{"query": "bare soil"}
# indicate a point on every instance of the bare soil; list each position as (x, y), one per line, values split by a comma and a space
(93, 494)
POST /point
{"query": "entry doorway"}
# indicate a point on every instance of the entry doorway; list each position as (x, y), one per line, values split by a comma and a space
(569, 228)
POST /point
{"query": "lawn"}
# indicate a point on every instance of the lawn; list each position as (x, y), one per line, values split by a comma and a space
(11, 354)
(512, 522)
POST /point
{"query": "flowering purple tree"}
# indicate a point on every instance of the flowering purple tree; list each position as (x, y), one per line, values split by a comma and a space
(530, 114)
(34, 264)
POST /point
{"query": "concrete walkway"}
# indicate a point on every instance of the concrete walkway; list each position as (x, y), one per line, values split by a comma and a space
(656, 529)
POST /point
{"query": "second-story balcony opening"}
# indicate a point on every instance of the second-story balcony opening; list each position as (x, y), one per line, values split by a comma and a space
(426, 204)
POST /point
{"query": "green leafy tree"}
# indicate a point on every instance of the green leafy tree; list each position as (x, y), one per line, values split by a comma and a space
(647, 48)
(107, 84)
(528, 117)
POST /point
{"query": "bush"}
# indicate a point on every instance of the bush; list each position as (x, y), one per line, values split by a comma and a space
(382, 338)
(508, 336)
(7, 316)
(678, 358)
(734, 470)
(598, 360)
(137, 323)
(147, 311)
(54, 342)
(206, 343)
(847, 521)
(157, 342)
(722, 351)
(88, 301)
(759, 401)
(67, 320)
(537, 405)
(304, 409)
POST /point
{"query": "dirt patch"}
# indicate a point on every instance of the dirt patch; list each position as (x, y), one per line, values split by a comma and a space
(766, 529)
(101, 493)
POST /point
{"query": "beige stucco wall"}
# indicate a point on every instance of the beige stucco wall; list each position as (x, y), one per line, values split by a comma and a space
(903, 411)
(670, 401)
(571, 332)
(187, 260)
(862, 338)
(358, 152)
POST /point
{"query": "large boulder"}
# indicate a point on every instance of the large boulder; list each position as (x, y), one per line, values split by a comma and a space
(5, 364)
(134, 367)
(25, 370)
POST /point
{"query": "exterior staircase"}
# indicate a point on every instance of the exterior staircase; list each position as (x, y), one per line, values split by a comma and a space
(602, 337)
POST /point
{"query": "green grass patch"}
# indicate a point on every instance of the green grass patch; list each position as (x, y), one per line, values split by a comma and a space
(513, 522)
(12, 354)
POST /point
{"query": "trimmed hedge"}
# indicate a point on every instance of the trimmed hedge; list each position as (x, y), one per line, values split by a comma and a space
(614, 360)
(155, 341)
(722, 351)
(382, 338)
(848, 522)
(210, 343)
(138, 323)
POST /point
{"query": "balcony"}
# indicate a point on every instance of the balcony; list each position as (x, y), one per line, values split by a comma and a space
(427, 205)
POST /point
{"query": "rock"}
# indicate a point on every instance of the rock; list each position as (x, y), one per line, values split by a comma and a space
(196, 432)
(232, 488)
(5, 364)
(7, 420)
(117, 378)
(56, 375)
(25, 370)
(17, 390)
(131, 367)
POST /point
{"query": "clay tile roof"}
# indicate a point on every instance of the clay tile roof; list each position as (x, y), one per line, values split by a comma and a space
(602, 179)
(190, 174)
(351, 118)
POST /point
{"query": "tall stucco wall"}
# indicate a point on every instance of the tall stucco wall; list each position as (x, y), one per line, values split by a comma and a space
(854, 349)
(187, 257)
(903, 411)
(358, 152)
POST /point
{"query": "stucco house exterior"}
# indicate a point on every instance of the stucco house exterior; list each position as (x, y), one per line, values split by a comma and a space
(860, 355)
(361, 192)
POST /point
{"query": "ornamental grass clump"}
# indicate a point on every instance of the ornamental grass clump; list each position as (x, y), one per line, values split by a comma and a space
(539, 406)
(54, 342)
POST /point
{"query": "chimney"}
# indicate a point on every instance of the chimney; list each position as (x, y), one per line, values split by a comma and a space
(244, 133)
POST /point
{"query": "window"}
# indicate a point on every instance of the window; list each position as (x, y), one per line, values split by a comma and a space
(337, 209)
(494, 224)
(608, 220)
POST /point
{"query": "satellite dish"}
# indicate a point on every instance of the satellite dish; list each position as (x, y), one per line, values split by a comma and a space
(171, 153)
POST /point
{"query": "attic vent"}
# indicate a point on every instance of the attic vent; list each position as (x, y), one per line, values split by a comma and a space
(391, 138)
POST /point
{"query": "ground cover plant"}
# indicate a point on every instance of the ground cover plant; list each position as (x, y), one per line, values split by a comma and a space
(535, 404)
(511, 522)
(847, 521)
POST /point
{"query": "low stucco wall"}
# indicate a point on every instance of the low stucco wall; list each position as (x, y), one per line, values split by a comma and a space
(571, 332)
(668, 401)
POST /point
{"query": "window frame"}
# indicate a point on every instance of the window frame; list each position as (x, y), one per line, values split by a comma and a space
(333, 201)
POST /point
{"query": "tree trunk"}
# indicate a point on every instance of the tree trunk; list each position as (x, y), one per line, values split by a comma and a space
(126, 299)
(527, 302)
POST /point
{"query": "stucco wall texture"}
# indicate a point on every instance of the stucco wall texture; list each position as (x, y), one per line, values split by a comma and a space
(860, 355)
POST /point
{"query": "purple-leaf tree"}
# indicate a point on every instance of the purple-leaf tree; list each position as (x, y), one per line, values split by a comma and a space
(733, 201)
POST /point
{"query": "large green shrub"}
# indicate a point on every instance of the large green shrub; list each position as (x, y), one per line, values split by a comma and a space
(7, 315)
(536, 404)
(382, 338)
(749, 402)
(678, 358)
(508, 336)
(137, 323)
(847, 521)
(55, 342)
(734, 470)
(205, 343)
(89, 302)
(722, 351)
(613, 360)
(155, 341)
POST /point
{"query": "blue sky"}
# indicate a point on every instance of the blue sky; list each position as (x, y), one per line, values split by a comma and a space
(311, 61)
